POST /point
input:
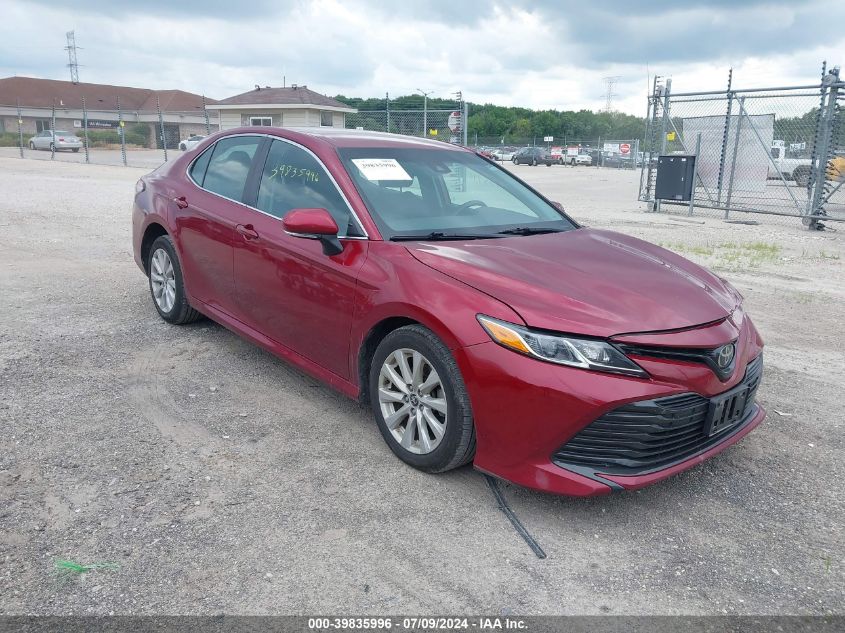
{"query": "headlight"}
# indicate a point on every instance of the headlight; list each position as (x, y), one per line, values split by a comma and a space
(140, 186)
(564, 350)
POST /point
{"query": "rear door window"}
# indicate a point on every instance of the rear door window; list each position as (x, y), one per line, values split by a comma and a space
(229, 166)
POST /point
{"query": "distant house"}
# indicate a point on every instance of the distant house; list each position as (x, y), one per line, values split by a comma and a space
(296, 106)
(182, 112)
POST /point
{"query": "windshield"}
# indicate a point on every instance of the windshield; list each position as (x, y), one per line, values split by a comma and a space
(419, 192)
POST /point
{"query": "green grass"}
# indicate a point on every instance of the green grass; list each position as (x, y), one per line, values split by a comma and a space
(69, 569)
(730, 255)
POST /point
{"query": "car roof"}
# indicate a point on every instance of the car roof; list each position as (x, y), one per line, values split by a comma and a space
(343, 137)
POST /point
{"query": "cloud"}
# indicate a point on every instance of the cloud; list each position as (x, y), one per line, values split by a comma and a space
(536, 53)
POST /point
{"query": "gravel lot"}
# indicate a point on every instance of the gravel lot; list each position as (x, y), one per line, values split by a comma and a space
(218, 479)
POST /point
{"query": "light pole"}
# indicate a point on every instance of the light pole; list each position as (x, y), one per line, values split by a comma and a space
(425, 110)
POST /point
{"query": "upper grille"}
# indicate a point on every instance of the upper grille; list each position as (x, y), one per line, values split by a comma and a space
(649, 434)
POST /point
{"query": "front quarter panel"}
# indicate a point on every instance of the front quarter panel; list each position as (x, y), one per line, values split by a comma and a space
(392, 283)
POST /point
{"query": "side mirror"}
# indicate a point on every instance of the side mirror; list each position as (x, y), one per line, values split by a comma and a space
(314, 224)
(557, 205)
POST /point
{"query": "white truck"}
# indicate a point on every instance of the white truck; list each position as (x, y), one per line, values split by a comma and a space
(797, 169)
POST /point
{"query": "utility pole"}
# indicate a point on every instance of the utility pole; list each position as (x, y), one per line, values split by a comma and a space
(71, 56)
(425, 110)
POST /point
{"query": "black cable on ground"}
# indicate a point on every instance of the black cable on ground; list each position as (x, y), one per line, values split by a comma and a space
(517, 524)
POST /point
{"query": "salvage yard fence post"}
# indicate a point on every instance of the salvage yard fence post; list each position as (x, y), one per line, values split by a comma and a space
(120, 133)
(85, 130)
(161, 128)
(20, 129)
(53, 131)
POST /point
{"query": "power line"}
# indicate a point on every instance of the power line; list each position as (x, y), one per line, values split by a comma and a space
(610, 82)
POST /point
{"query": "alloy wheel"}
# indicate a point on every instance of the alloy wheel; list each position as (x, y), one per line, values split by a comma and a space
(412, 401)
(163, 280)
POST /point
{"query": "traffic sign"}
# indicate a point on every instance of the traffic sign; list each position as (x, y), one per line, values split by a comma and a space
(454, 122)
(624, 148)
(548, 139)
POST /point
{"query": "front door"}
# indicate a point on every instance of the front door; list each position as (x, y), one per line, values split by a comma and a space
(206, 216)
(286, 287)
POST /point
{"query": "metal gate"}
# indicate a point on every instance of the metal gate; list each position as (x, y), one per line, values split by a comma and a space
(778, 151)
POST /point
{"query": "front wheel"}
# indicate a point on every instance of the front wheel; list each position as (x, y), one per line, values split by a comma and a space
(420, 401)
(166, 283)
(75, 150)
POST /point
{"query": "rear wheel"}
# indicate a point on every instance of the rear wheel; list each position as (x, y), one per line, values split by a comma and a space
(166, 284)
(801, 176)
(75, 150)
(420, 401)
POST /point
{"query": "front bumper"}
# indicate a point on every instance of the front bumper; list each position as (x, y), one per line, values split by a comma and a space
(527, 410)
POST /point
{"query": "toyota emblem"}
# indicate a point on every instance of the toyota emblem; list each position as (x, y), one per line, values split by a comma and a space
(725, 356)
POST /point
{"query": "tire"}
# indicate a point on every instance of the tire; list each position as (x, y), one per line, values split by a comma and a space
(75, 150)
(515, 161)
(456, 445)
(32, 146)
(801, 175)
(179, 311)
(533, 162)
(183, 147)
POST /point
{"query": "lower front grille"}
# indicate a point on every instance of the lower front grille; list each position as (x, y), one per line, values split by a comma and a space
(651, 434)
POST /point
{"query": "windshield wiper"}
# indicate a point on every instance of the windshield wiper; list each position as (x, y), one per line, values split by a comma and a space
(529, 230)
(440, 235)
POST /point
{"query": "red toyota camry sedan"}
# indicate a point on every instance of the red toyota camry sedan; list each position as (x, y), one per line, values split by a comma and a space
(478, 320)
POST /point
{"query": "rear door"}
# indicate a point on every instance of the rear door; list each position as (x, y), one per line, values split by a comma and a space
(206, 217)
(286, 288)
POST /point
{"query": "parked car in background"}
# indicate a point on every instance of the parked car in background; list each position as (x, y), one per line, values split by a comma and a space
(582, 158)
(558, 153)
(191, 142)
(503, 153)
(56, 141)
(533, 156)
(618, 161)
(477, 320)
(485, 152)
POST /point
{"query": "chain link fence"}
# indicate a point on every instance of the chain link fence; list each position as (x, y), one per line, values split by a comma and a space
(100, 131)
(777, 151)
(441, 124)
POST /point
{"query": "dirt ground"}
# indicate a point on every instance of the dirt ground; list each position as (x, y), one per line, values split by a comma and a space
(214, 478)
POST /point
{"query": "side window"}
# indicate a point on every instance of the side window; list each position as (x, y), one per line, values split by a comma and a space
(229, 166)
(294, 179)
(199, 167)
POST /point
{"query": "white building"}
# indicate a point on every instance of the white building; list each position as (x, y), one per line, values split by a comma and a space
(296, 106)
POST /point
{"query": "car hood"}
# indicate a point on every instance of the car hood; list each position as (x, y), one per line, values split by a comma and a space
(586, 281)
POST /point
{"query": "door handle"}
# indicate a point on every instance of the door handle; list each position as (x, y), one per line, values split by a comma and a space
(181, 202)
(247, 230)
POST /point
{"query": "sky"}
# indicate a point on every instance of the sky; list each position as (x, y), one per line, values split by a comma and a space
(540, 54)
